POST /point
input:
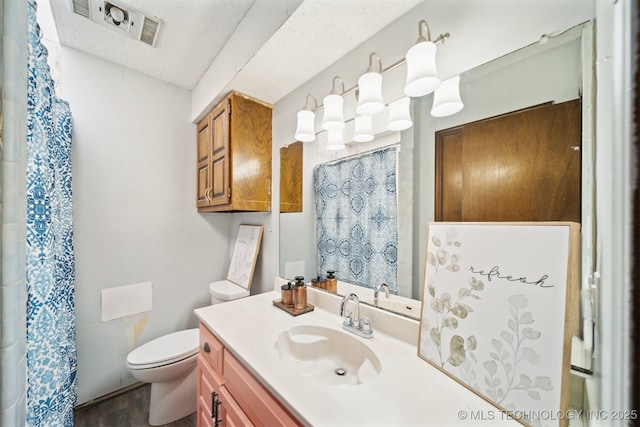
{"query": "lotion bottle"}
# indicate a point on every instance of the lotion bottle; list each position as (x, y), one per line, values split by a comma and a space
(318, 282)
(299, 294)
(286, 293)
(331, 283)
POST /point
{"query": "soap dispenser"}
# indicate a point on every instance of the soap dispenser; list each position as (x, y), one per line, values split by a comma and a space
(318, 282)
(331, 283)
(299, 294)
(286, 295)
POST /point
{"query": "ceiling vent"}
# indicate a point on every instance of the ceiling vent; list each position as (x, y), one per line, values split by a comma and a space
(121, 18)
(81, 7)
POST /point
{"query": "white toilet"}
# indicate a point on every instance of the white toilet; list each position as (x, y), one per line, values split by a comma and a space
(169, 364)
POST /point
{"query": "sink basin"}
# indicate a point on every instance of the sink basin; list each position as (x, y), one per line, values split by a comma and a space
(327, 355)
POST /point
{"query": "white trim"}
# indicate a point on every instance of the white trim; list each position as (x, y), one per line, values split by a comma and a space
(613, 203)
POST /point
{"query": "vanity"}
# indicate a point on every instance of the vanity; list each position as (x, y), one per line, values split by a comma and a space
(266, 367)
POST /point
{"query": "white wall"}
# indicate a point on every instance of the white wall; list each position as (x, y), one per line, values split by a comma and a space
(134, 178)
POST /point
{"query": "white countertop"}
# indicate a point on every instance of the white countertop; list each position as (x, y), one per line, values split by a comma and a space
(407, 392)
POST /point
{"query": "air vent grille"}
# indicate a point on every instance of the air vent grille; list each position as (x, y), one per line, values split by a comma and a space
(81, 7)
(149, 31)
(119, 17)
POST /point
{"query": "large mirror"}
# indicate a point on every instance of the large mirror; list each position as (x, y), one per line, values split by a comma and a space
(555, 70)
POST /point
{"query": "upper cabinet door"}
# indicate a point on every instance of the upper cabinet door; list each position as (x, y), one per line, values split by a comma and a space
(219, 159)
(203, 171)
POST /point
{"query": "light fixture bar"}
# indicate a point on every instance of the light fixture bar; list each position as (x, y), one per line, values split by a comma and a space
(440, 40)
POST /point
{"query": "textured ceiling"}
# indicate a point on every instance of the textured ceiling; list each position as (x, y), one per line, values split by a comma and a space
(318, 34)
(192, 34)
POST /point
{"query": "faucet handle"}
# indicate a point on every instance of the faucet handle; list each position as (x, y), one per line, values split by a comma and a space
(347, 319)
(366, 324)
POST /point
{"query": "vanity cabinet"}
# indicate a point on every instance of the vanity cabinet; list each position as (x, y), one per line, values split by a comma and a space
(229, 395)
(234, 156)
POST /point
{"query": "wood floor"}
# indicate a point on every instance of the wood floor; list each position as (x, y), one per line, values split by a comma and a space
(130, 409)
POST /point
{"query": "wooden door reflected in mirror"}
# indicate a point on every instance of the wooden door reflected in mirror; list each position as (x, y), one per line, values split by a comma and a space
(291, 178)
(522, 166)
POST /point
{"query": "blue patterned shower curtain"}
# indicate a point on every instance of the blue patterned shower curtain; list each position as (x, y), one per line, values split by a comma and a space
(51, 330)
(356, 218)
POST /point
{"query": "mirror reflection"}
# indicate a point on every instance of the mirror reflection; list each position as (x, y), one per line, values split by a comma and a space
(291, 178)
(538, 74)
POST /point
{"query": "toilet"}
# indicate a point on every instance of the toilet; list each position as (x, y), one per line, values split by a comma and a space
(169, 364)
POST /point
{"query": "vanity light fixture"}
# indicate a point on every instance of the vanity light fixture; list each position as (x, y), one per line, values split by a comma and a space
(363, 129)
(335, 140)
(305, 130)
(333, 108)
(370, 100)
(422, 79)
(422, 73)
(446, 99)
(399, 115)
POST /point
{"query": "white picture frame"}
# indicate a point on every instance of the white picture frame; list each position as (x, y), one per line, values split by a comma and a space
(499, 308)
(245, 255)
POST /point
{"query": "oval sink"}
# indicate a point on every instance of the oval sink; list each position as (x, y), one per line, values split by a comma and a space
(329, 356)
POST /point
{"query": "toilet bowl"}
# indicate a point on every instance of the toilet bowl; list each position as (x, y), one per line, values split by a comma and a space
(169, 364)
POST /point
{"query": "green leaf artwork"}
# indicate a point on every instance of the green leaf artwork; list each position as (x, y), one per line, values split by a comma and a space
(448, 310)
(511, 353)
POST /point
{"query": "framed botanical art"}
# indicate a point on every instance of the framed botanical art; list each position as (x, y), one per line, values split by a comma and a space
(498, 311)
(245, 255)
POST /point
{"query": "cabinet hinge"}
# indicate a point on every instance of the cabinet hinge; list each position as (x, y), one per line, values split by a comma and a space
(229, 192)
(229, 109)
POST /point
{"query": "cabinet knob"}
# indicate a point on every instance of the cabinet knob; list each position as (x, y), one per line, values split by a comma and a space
(206, 348)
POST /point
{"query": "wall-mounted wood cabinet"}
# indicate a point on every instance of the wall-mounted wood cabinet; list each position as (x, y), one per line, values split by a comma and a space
(234, 157)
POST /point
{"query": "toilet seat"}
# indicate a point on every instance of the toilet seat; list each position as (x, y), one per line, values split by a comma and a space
(165, 350)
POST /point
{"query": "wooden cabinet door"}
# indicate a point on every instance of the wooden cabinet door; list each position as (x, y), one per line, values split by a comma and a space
(203, 152)
(231, 414)
(219, 158)
(209, 385)
(523, 166)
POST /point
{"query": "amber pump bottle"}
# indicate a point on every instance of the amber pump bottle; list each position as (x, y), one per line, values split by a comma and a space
(299, 294)
(331, 283)
(286, 293)
(318, 282)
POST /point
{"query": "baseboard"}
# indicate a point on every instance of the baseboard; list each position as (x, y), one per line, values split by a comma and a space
(109, 395)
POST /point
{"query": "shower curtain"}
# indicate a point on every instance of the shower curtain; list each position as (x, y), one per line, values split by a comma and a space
(51, 330)
(357, 218)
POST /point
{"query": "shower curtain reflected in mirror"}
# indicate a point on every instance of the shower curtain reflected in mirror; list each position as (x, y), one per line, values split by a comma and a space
(51, 330)
(357, 218)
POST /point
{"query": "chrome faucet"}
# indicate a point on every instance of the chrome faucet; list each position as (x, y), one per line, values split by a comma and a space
(377, 290)
(360, 327)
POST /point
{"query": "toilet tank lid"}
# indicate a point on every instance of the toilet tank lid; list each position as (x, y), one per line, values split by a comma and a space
(227, 290)
(176, 345)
